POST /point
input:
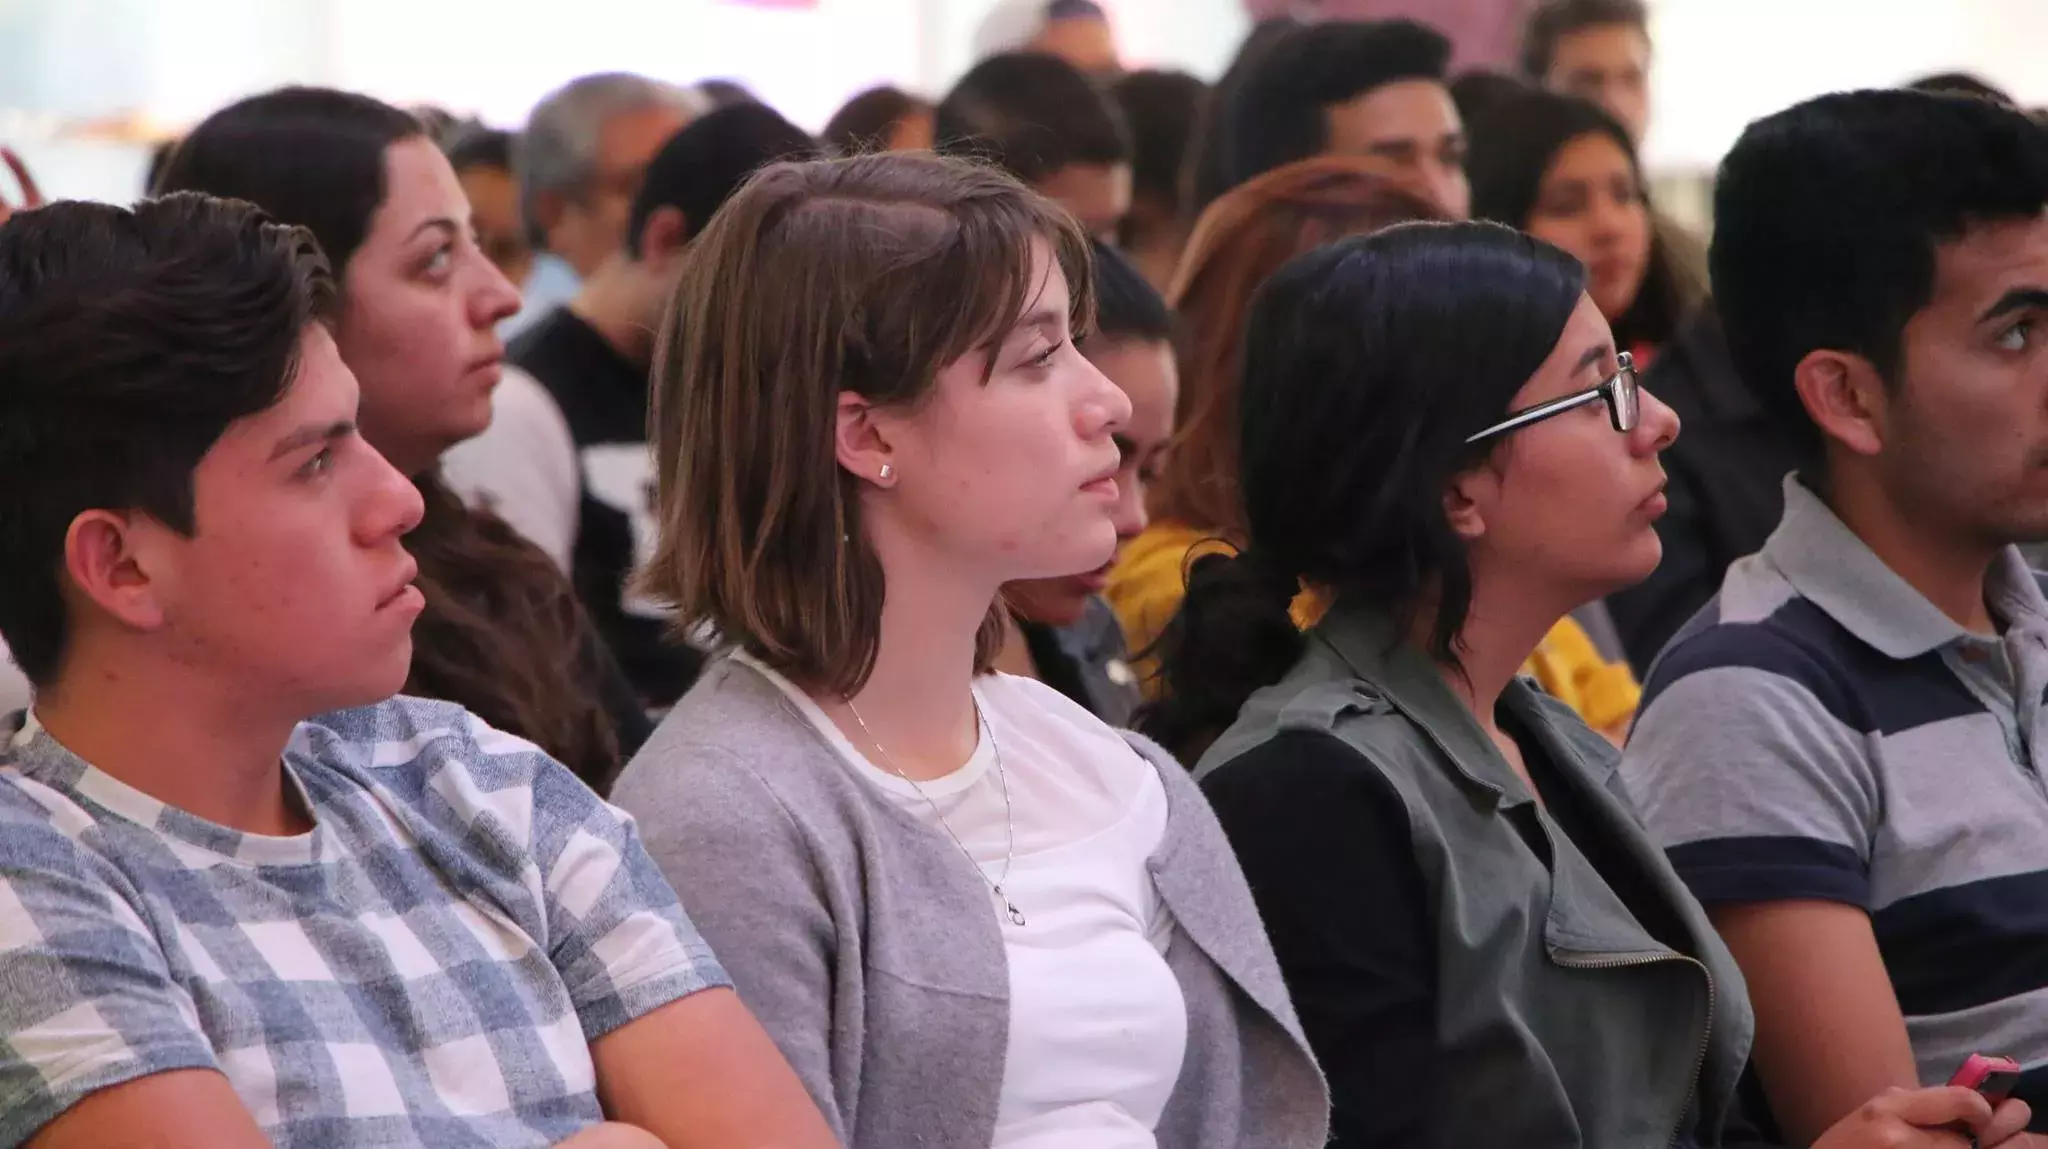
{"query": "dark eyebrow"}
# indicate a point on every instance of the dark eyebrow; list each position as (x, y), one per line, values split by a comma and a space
(2018, 299)
(311, 434)
(1593, 357)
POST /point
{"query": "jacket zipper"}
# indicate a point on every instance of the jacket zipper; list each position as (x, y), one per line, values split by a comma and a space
(1699, 1061)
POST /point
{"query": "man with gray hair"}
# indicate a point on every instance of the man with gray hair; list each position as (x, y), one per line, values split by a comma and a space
(580, 160)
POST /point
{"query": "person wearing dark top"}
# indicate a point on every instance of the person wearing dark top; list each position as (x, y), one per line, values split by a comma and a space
(1064, 634)
(1484, 946)
(593, 354)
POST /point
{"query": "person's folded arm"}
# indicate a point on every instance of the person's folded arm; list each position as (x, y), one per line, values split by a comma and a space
(701, 1073)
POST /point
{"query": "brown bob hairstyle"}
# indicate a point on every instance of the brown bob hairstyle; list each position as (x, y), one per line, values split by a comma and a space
(1238, 242)
(866, 275)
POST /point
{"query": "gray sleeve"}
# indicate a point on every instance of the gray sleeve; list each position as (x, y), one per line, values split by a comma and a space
(1755, 789)
(747, 877)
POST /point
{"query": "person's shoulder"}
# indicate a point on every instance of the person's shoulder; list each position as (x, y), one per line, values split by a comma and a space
(1343, 723)
(412, 748)
(1795, 643)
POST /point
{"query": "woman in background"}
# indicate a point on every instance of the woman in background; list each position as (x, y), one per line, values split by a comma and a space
(1565, 171)
(502, 633)
(1241, 239)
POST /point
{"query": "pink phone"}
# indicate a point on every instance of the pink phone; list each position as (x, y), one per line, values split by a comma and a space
(1994, 1077)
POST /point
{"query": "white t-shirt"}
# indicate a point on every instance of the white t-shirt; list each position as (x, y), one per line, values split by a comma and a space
(1098, 1027)
(523, 467)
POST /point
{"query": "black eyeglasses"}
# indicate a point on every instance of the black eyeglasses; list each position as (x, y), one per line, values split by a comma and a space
(1618, 390)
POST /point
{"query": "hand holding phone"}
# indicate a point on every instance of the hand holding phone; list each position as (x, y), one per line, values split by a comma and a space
(1994, 1077)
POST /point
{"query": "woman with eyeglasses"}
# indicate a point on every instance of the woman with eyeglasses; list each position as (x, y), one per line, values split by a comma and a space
(1483, 945)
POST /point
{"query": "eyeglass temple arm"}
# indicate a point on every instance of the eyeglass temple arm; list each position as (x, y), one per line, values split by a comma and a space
(1539, 412)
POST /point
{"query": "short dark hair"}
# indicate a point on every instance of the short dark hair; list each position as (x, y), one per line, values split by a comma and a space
(865, 122)
(311, 156)
(129, 341)
(1126, 306)
(1553, 20)
(1433, 327)
(476, 146)
(700, 167)
(1032, 115)
(1278, 115)
(1161, 108)
(1208, 174)
(1963, 84)
(1827, 216)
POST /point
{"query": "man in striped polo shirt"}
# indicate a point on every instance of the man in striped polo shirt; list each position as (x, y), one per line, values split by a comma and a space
(1844, 754)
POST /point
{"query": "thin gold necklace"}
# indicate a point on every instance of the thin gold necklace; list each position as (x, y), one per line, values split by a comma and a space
(995, 886)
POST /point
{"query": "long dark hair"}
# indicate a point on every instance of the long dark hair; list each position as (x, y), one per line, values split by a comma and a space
(502, 633)
(1515, 139)
(1367, 364)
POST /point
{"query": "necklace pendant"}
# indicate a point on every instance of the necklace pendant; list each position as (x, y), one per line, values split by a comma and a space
(1010, 909)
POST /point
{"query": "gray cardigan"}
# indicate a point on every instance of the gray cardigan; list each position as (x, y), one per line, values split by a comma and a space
(869, 950)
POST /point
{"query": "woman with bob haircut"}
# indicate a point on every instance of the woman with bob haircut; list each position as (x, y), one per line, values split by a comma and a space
(969, 912)
(1486, 947)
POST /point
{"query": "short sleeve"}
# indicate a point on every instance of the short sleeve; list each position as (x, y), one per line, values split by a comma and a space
(615, 930)
(1747, 769)
(87, 1000)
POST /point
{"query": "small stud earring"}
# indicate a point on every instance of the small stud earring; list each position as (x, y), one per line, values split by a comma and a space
(888, 472)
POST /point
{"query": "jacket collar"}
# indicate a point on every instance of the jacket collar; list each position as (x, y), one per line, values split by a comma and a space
(1369, 642)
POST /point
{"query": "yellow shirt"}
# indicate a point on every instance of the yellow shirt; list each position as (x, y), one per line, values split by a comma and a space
(1150, 577)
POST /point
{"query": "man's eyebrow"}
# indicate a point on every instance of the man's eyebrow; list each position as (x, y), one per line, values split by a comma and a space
(311, 434)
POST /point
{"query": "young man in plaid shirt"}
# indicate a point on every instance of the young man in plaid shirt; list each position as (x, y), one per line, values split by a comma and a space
(225, 922)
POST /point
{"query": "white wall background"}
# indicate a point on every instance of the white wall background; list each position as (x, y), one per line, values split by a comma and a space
(1720, 63)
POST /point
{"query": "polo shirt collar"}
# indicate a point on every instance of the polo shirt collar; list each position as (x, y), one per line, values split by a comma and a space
(1829, 566)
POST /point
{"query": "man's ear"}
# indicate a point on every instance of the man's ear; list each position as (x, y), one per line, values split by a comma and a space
(663, 237)
(106, 560)
(1846, 398)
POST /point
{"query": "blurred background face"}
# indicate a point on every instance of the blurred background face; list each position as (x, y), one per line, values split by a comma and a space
(1569, 504)
(590, 226)
(1608, 64)
(421, 304)
(1099, 195)
(912, 133)
(1086, 42)
(494, 207)
(1412, 126)
(295, 581)
(1145, 372)
(1590, 203)
(1011, 477)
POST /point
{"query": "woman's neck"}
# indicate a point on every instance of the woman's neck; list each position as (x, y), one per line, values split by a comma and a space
(1502, 629)
(916, 711)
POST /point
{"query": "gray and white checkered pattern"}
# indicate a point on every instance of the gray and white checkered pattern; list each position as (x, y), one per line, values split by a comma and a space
(426, 967)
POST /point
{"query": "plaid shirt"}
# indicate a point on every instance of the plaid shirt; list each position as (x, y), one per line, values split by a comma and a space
(428, 966)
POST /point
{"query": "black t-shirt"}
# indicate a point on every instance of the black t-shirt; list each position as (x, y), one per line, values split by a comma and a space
(603, 396)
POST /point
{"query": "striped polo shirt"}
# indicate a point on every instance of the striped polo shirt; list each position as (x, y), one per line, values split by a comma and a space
(1822, 731)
